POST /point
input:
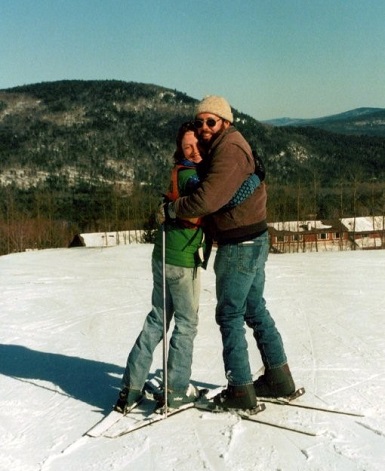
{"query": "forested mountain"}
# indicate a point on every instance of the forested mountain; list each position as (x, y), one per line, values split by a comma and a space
(95, 155)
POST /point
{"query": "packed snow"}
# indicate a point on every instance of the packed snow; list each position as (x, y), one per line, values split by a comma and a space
(70, 316)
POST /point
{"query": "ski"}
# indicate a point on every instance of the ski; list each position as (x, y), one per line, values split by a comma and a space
(130, 423)
(99, 428)
(291, 401)
(206, 405)
(113, 417)
(108, 421)
(148, 412)
(291, 428)
(254, 416)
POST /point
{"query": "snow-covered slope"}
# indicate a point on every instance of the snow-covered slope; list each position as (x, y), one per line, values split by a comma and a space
(70, 316)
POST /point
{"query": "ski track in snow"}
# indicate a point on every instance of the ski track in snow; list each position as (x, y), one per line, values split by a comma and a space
(69, 318)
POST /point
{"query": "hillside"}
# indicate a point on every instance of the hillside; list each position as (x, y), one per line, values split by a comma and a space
(78, 156)
(92, 131)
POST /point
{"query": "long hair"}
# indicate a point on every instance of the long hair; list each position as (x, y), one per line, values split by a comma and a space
(188, 126)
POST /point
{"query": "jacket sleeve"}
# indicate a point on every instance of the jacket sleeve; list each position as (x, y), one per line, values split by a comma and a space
(230, 166)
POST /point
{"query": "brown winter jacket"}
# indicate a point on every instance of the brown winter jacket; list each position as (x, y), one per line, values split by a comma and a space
(227, 165)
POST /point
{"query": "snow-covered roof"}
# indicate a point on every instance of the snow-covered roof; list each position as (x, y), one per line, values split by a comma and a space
(359, 224)
(364, 224)
(107, 239)
(298, 226)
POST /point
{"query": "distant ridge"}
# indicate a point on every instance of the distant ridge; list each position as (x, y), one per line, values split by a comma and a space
(363, 120)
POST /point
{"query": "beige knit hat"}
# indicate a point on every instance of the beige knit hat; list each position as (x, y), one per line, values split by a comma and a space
(215, 105)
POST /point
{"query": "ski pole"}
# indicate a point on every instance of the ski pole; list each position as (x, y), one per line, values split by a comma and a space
(165, 381)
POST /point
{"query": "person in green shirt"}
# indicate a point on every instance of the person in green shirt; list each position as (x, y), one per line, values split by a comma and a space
(184, 241)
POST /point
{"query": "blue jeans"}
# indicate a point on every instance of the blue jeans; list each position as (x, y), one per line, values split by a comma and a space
(240, 281)
(182, 302)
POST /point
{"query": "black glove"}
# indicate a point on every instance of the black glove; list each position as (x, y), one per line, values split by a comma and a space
(260, 170)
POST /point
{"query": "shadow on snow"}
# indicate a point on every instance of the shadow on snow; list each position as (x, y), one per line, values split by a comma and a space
(90, 381)
(93, 382)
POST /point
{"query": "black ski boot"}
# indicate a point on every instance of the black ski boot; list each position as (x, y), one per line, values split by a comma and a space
(275, 382)
(127, 398)
(236, 397)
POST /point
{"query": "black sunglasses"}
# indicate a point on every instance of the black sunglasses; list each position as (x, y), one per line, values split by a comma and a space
(211, 122)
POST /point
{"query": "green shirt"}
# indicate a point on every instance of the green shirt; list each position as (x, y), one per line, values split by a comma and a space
(182, 243)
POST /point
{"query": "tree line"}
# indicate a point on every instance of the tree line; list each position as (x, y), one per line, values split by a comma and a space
(47, 218)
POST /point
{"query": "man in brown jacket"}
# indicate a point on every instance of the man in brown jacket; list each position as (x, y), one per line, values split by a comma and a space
(241, 234)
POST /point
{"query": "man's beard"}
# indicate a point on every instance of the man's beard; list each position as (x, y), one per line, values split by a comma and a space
(206, 144)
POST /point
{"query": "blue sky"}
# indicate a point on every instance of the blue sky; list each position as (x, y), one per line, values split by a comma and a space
(269, 58)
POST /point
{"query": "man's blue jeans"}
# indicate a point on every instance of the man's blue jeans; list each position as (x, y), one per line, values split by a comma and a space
(182, 302)
(240, 281)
